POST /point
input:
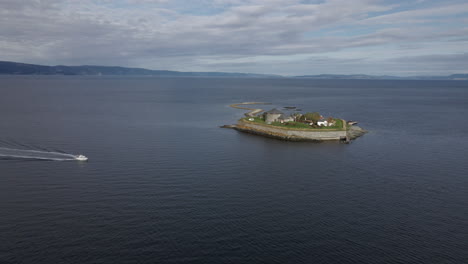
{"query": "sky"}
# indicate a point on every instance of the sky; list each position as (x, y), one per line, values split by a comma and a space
(286, 37)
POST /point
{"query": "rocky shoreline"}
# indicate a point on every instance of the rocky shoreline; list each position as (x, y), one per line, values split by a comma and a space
(352, 133)
(355, 132)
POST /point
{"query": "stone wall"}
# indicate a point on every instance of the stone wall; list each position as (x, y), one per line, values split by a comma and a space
(289, 134)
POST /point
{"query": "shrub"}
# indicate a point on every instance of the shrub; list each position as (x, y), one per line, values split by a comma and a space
(314, 117)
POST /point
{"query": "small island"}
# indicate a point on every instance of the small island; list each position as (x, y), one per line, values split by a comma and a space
(296, 126)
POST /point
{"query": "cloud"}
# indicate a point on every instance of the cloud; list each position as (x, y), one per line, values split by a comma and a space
(180, 35)
(420, 15)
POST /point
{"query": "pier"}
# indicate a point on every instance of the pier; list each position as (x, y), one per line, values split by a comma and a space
(252, 111)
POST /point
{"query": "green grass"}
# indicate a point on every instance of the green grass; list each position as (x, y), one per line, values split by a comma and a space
(338, 124)
(256, 119)
(297, 125)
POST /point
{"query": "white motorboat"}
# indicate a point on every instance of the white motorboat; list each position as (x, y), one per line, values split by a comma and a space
(81, 158)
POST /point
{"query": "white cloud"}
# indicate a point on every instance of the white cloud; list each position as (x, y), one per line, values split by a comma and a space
(165, 34)
(420, 15)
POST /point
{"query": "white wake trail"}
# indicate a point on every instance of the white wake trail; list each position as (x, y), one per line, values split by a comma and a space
(35, 154)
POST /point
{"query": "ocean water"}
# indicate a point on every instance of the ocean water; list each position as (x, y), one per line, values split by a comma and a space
(165, 184)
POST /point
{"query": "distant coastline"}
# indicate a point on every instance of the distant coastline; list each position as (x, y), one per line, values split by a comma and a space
(16, 68)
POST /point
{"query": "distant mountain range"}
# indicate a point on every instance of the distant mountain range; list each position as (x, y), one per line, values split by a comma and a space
(8, 67)
(383, 77)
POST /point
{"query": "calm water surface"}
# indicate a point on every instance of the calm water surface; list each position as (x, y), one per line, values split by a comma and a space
(164, 184)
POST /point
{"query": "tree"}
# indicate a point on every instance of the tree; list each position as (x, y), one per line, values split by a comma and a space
(296, 116)
(314, 117)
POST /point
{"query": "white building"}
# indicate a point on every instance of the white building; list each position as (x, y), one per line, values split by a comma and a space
(325, 123)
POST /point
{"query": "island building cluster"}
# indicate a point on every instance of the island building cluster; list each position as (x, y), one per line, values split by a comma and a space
(310, 126)
(275, 115)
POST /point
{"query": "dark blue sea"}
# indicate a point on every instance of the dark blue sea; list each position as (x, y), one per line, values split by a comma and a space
(165, 184)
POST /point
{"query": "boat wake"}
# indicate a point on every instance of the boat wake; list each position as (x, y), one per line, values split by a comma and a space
(11, 153)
